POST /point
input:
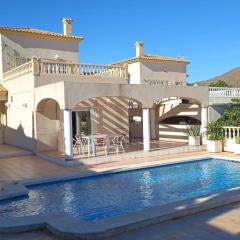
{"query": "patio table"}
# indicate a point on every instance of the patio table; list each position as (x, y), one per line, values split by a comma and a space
(91, 142)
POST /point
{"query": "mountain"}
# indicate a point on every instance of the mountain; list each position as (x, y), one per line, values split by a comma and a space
(231, 78)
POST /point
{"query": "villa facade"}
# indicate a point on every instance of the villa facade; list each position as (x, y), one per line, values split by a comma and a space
(47, 96)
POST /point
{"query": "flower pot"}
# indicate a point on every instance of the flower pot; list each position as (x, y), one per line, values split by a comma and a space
(214, 146)
(194, 140)
(237, 148)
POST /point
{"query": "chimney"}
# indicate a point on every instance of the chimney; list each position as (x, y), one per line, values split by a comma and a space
(67, 26)
(139, 49)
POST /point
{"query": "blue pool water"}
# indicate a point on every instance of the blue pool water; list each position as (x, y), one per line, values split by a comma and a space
(98, 197)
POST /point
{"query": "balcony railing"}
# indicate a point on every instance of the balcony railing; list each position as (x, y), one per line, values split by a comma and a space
(224, 92)
(48, 67)
(18, 71)
(231, 132)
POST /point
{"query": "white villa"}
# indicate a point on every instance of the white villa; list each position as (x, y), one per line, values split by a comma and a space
(47, 96)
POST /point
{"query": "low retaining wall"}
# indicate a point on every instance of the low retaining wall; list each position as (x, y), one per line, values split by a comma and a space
(229, 145)
(230, 134)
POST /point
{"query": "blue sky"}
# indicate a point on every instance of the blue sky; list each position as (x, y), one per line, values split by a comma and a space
(205, 32)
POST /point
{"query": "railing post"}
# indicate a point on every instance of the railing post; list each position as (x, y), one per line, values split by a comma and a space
(35, 66)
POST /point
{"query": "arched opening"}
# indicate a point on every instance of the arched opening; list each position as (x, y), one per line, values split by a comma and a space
(173, 116)
(108, 115)
(48, 126)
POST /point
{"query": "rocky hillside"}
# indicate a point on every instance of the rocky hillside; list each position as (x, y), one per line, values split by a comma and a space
(231, 78)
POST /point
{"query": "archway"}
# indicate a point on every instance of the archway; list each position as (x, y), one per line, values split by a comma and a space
(172, 117)
(110, 114)
(48, 125)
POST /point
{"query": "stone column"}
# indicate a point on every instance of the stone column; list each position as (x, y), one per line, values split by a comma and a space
(67, 129)
(93, 116)
(204, 121)
(153, 124)
(146, 129)
(77, 122)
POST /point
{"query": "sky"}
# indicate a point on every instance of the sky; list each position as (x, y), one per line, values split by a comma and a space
(206, 32)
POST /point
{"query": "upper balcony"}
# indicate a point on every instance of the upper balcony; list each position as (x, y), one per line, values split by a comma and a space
(52, 71)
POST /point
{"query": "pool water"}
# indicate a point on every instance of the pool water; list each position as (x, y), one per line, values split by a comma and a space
(97, 197)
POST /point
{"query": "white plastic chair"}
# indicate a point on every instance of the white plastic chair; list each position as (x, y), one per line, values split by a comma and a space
(80, 144)
(117, 142)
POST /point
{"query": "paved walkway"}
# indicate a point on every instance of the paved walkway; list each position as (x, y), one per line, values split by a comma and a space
(218, 224)
(27, 167)
(11, 151)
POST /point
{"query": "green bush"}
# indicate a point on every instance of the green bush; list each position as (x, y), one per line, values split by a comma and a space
(214, 131)
(219, 83)
(231, 117)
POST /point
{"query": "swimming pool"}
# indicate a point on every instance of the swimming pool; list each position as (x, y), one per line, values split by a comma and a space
(98, 197)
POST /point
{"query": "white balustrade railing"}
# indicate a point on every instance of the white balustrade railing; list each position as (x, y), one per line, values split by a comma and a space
(41, 66)
(231, 132)
(224, 92)
(18, 71)
(59, 68)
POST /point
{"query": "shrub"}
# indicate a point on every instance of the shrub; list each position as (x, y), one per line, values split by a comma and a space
(231, 117)
(214, 131)
(219, 83)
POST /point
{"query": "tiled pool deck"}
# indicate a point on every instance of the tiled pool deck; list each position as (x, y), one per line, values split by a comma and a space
(221, 223)
(28, 167)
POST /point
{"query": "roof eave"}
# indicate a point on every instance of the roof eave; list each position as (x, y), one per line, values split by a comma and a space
(51, 35)
(139, 59)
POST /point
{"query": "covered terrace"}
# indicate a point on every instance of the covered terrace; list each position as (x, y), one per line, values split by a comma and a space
(108, 109)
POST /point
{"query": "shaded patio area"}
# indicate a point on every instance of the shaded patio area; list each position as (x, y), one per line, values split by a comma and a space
(131, 150)
(11, 151)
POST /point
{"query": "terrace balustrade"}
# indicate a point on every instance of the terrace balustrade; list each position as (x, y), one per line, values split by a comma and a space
(231, 132)
(49, 67)
(224, 92)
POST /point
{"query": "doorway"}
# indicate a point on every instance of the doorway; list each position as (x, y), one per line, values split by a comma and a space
(81, 122)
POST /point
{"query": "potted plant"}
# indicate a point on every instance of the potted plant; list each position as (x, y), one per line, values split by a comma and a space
(194, 135)
(215, 137)
(237, 145)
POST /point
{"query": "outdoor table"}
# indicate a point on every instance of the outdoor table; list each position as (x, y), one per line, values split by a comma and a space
(91, 142)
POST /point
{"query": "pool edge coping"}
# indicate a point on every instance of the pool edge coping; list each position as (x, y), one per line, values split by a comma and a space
(62, 224)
